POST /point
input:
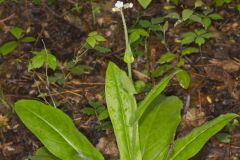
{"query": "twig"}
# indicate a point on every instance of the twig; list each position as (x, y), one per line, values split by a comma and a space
(7, 18)
(46, 72)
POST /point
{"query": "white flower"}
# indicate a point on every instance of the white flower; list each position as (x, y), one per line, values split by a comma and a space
(119, 4)
(130, 5)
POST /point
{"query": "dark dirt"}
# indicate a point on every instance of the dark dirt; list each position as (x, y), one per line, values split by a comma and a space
(215, 86)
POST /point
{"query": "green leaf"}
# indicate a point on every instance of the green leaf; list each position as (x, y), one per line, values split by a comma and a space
(189, 50)
(173, 15)
(144, 3)
(188, 146)
(208, 35)
(158, 126)
(156, 91)
(183, 78)
(80, 69)
(188, 38)
(36, 62)
(134, 36)
(200, 32)
(206, 22)
(128, 55)
(198, 3)
(121, 107)
(161, 70)
(100, 38)
(16, 32)
(43, 154)
(176, 2)
(8, 47)
(157, 20)
(167, 57)
(51, 61)
(56, 131)
(88, 110)
(91, 41)
(103, 115)
(215, 16)
(144, 23)
(200, 41)
(165, 26)
(91, 34)
(28, 39)
(224, 137)
(196, 18)
(186, 14)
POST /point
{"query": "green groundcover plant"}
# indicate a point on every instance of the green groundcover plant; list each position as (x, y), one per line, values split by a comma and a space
(145, 132)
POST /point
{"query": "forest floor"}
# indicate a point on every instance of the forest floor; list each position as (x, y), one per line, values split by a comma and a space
(64, 26)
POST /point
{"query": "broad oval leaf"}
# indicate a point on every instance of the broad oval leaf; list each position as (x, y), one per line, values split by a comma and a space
(188, 38)
(158, 126)
(56, 131)
(186, 14)
(183, 78)
(122, 106)
(144, 3)
(188, 146)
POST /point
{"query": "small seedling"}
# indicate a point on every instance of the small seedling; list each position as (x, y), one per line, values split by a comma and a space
(206, 17)
(76, 7)
(94, 38)
(198, 37)
(41, 58)
(99, 110)
(17, 33)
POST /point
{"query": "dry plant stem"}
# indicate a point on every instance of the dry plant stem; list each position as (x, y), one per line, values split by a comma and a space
(7, 18)
(46, 72)
(126, 42)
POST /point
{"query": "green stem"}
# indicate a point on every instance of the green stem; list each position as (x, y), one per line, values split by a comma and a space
(126, 42)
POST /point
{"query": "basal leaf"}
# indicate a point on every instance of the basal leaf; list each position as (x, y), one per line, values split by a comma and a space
(144, 3)
(156, 91)
(188, 146)
(158, 126)
(122, 106)
(56, 131)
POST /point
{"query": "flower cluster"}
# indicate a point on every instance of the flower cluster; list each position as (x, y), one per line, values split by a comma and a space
(119, 5)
